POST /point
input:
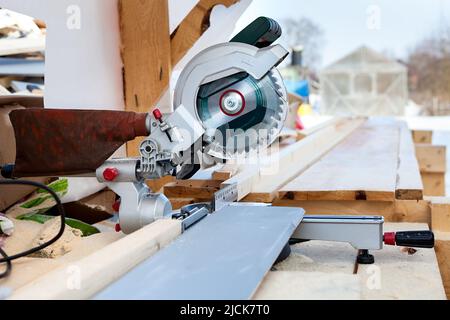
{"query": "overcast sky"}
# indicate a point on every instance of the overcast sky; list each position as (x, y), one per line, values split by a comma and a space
(384, 25)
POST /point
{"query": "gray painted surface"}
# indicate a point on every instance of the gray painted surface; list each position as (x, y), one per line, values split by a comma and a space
(224, 256)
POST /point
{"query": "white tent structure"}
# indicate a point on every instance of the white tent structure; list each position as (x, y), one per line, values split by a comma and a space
(364, 83)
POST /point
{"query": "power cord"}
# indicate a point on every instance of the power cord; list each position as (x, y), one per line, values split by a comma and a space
(8, 259)
(7, 272)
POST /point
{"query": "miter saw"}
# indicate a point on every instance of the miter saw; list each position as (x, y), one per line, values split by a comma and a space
(229, 101)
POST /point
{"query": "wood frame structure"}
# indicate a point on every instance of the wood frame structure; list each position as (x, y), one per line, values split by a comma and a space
(149, 51)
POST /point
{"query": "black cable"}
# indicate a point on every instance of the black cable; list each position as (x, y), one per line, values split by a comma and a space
(7, 259)
(7, 272)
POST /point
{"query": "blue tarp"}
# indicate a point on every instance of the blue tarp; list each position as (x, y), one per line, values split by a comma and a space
(298, 87)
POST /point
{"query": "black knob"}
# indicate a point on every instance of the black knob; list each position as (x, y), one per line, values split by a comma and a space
(7, 171)
(417, 239)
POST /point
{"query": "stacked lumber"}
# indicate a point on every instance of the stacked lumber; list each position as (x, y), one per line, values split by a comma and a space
(432, 163)
(373, 171)
(346, 166)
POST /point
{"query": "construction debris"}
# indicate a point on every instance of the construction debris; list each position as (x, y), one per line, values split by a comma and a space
(6, 225)
(22, 46)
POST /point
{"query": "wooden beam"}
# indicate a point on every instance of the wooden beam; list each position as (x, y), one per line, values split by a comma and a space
(103, 267)
(192, 27)
(422, 136)
(440, 214)
(431, 157)
(442, 248)
(409, 182)
(156, 185)
(433, 184)
(261, 182)
(198, 189)
(144, 28)
(362, 167)
(226, 172)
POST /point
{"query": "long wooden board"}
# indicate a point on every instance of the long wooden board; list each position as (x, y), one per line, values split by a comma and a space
(92, 273)
(362, 167)
(409, 182)
(261, 182)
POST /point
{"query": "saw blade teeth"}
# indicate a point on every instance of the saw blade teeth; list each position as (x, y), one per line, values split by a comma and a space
(273, 93)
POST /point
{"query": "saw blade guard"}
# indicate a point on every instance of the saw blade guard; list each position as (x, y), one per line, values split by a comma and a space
(237, 94)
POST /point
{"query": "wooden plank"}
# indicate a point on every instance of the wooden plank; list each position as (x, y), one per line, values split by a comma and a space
(192, 27)
(144, 28)
(395, 211)
(178, 203)
(21, 45)
(101, 268)
(226, 172)
(362, 167)
(431, 157)
(440, 214)
(198, 189)
(261, 182)
(156, 185)
(309, 131)
(433, 184)
(409, 182)
(422, 136)
(442, 248)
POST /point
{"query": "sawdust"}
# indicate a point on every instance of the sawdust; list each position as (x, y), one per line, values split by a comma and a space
(64, 245)
(29, 269)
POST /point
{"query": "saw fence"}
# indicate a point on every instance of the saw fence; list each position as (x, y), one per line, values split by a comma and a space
(346, 166)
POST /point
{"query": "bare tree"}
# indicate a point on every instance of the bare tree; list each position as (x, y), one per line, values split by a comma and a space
(307, 34)
(429, 72)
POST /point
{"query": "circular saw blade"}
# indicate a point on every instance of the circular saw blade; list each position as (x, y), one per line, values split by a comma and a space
(241, 114)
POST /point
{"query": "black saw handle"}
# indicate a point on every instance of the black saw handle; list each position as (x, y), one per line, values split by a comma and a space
(415, 239)
(260, 33)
